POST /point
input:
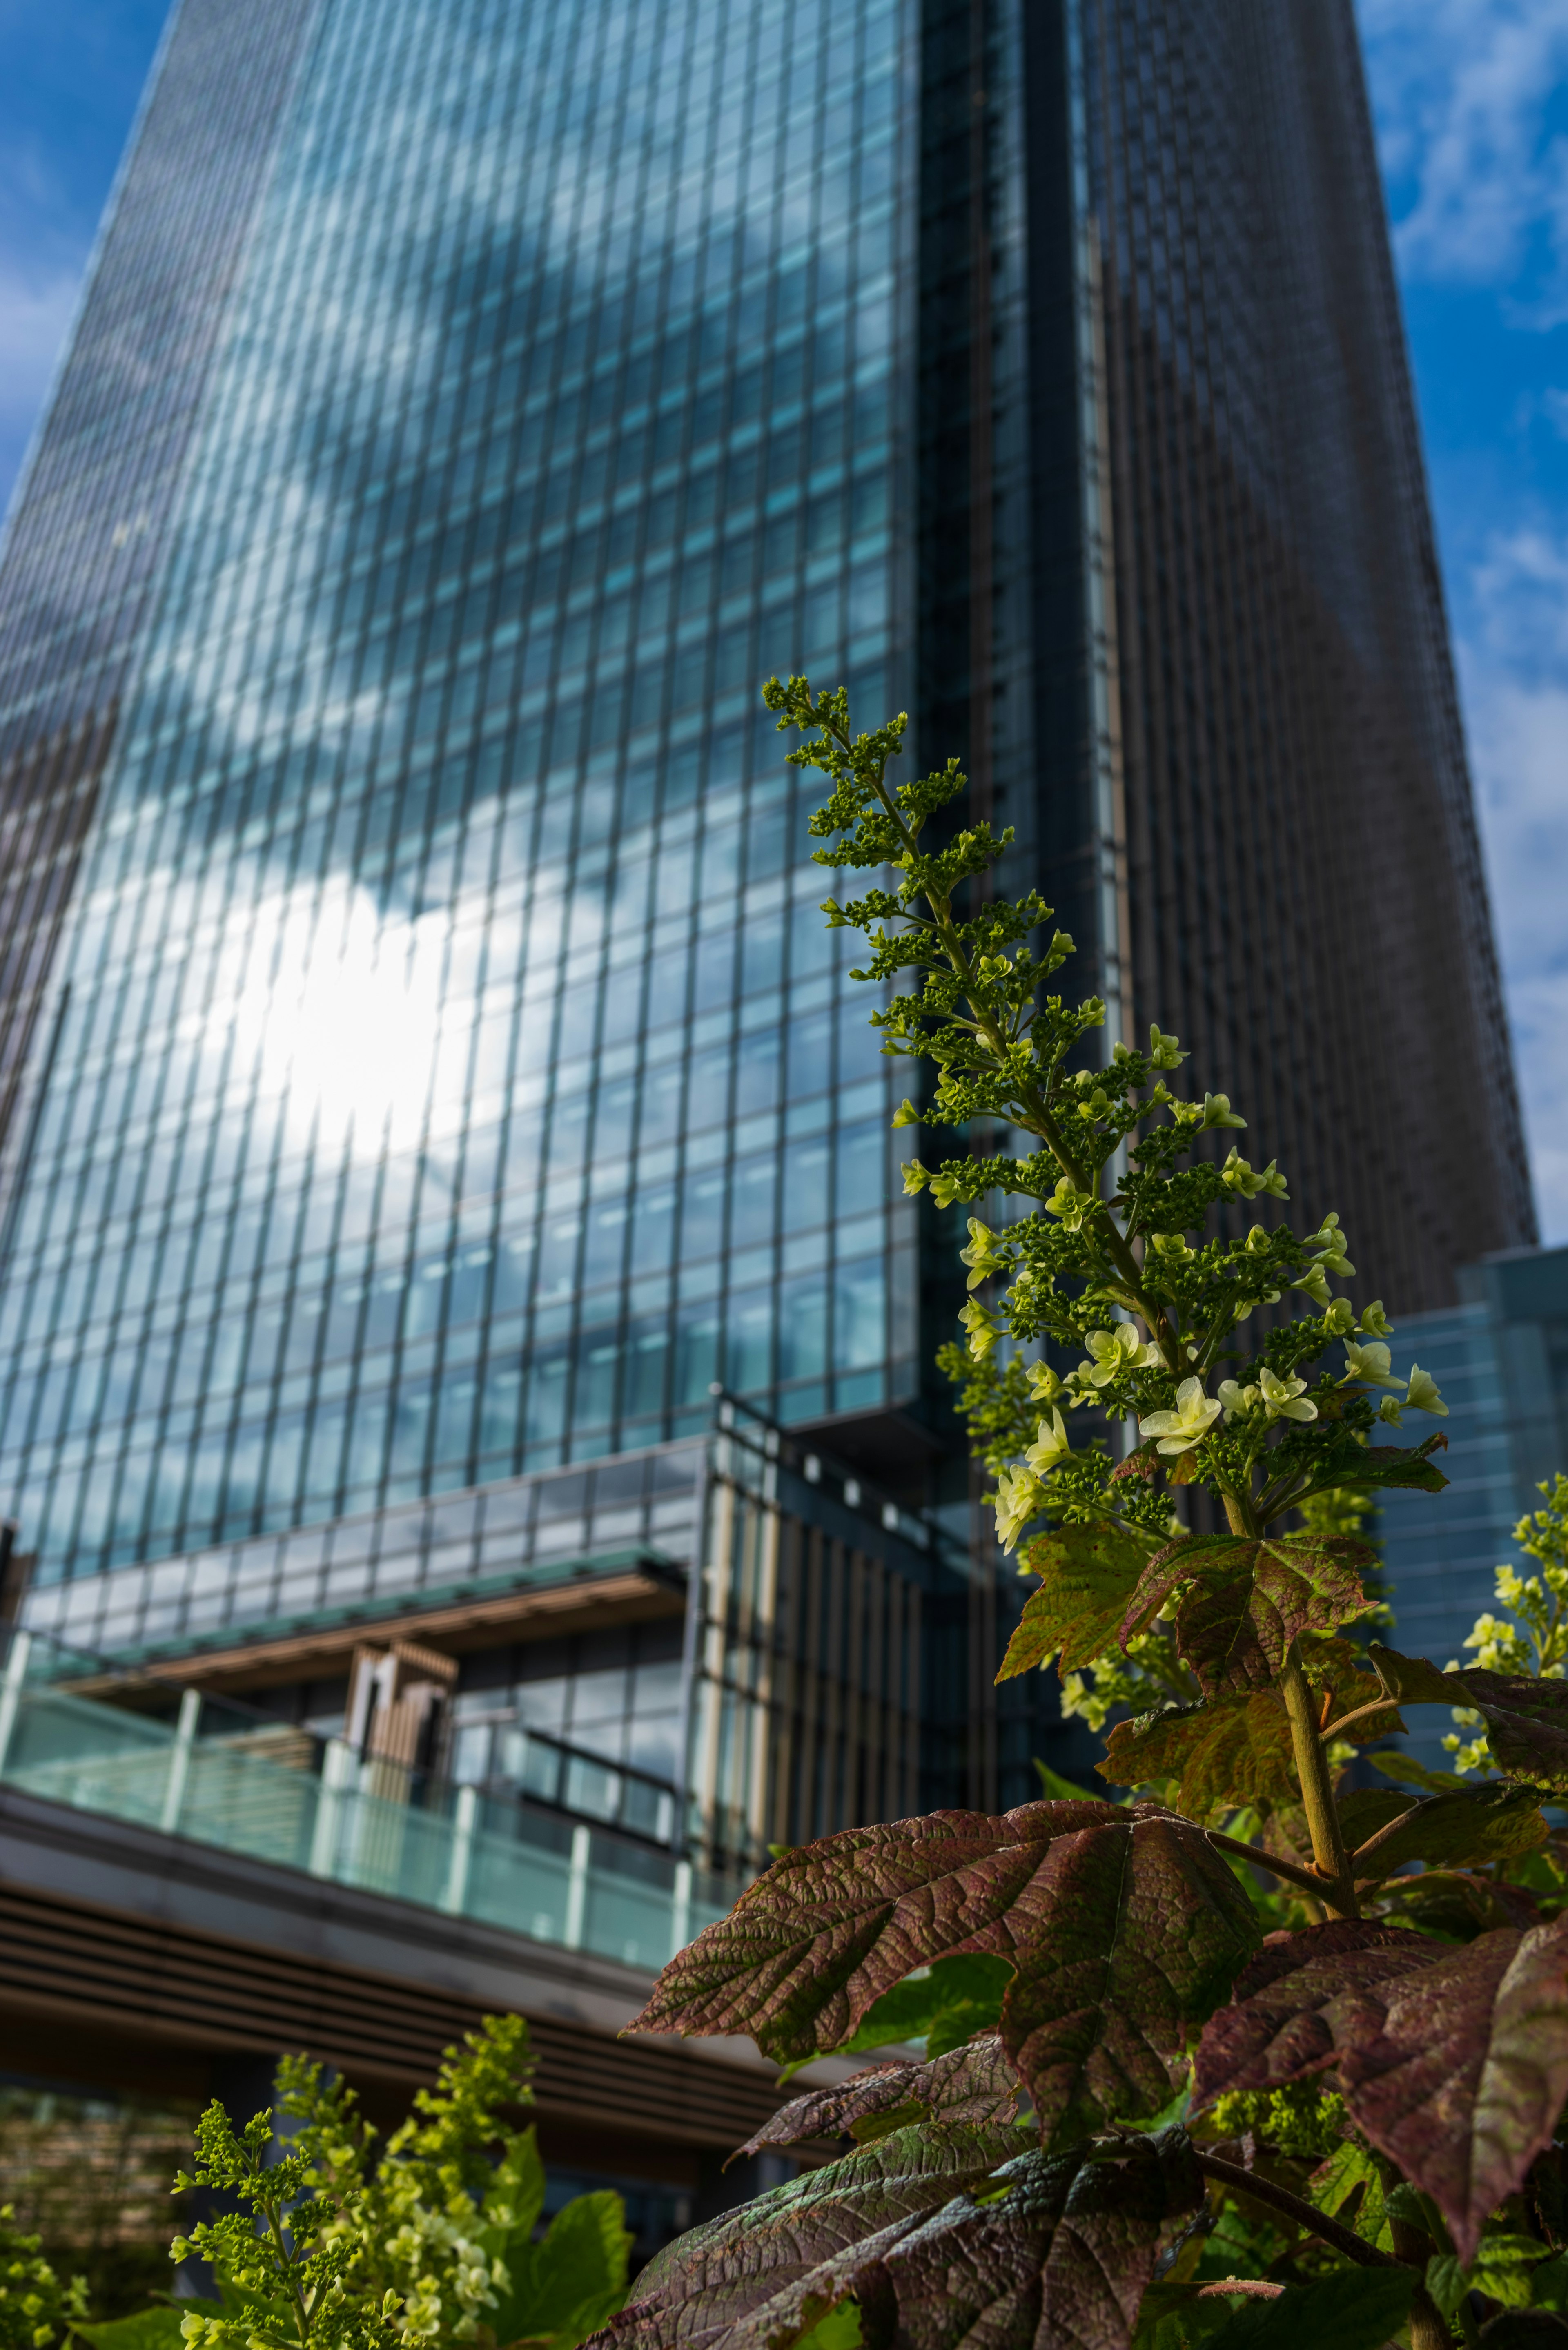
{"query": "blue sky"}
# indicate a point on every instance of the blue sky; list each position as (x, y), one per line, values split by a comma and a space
(1471, 98)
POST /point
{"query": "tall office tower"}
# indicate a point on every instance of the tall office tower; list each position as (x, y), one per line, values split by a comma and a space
(408, 1123)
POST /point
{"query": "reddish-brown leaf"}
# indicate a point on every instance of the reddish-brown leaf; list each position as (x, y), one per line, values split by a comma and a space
(1061, 2263)
(831, 1926)
(788, 2259)
(1492, 1822)
(1526, 1720)
(972, 2083)
(1453, 2063)
(1129, 1933)
(1059, 2259)
(1233, 1750)
(1276, 2029)
(1249, 1600)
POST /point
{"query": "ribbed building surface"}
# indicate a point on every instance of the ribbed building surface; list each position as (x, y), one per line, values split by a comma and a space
(471, 404)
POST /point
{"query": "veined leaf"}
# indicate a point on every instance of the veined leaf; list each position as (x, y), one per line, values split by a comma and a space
(1526, 1720)
(1407, 1466)
(1134, 1932)
(1234, 1750)
(157, 2328)
(1405, 1768)
(1087, 1575)
(1487, 1823)
(1454, 2063)
(1125, 1927)
(1452, 1902)
(1063, 2261)
(1276, 2029)
(1060, 2257)
(564, 2287)
(830, 1927)
(1249, 1601)
(972, 2083)
(807, 2244)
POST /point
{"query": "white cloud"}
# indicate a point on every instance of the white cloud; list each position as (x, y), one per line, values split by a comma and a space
(1479, 180)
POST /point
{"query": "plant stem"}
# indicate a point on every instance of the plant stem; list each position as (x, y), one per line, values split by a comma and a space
(1307, 1878)
(1317, 1789)
(1292, 2207)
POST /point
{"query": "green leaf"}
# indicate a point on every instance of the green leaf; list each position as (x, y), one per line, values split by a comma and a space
(515, 2195)
(1523, 2329)
(1135, 1931)
(972, 2084)
(1063, 1790)
(1348, 2169)
(1352, 2309)
(1405, 1768)
(1454, 2063)
(1247, 1601)
(147, 2329)
(565, 2288)
(1235, 1750)
(1087, 1573)
(815, 1941)
(1505, 2267)
(1492, 1822)
(943, 2006)
(1548, 2283)
(1408, 1466)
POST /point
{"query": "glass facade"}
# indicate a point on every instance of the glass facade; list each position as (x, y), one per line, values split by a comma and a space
(559, 403)
(1501, 1360)
(412, 1138)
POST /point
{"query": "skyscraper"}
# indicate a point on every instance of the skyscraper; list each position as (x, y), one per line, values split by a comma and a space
(404, 1116)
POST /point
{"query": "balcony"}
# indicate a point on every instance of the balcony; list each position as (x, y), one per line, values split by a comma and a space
(128, 1746)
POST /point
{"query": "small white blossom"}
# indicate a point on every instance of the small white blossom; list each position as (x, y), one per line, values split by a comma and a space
(1178, 1430)
(1045, 1387)
(1238, 1400)
(1390, 1412)
(1050, 1444)
(1285, 1399)
(1070, 1204)
(1369, 1363)
(1316, 1286)
(1164, 1052)
(1114, 1352)
(1017, 1500)
(1421, 1394)
(1340, 1319)
(1374, 1322)
(982, 1255)
(983, 1333)
(1217, 1111)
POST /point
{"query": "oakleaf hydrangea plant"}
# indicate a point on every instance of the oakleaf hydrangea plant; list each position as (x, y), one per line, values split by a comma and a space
(1131, 2095)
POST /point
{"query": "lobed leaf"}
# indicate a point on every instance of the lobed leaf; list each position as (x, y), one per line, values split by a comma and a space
(1087, 1575)
(804, 2246)
(1056, 2249)
(1410, 1467)
(972, 2084)
(1365, 1810)
(1454, 2063)
(1494, 1822)
(1135, 1931)
(1236, 1750)
(1248, 1600)
(1526, 1720)
(822, 1934)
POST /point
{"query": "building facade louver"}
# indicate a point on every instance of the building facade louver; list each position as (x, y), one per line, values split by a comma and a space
(469, 405)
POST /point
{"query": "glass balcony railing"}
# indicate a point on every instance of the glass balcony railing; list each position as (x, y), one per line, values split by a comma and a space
(130, 1747)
